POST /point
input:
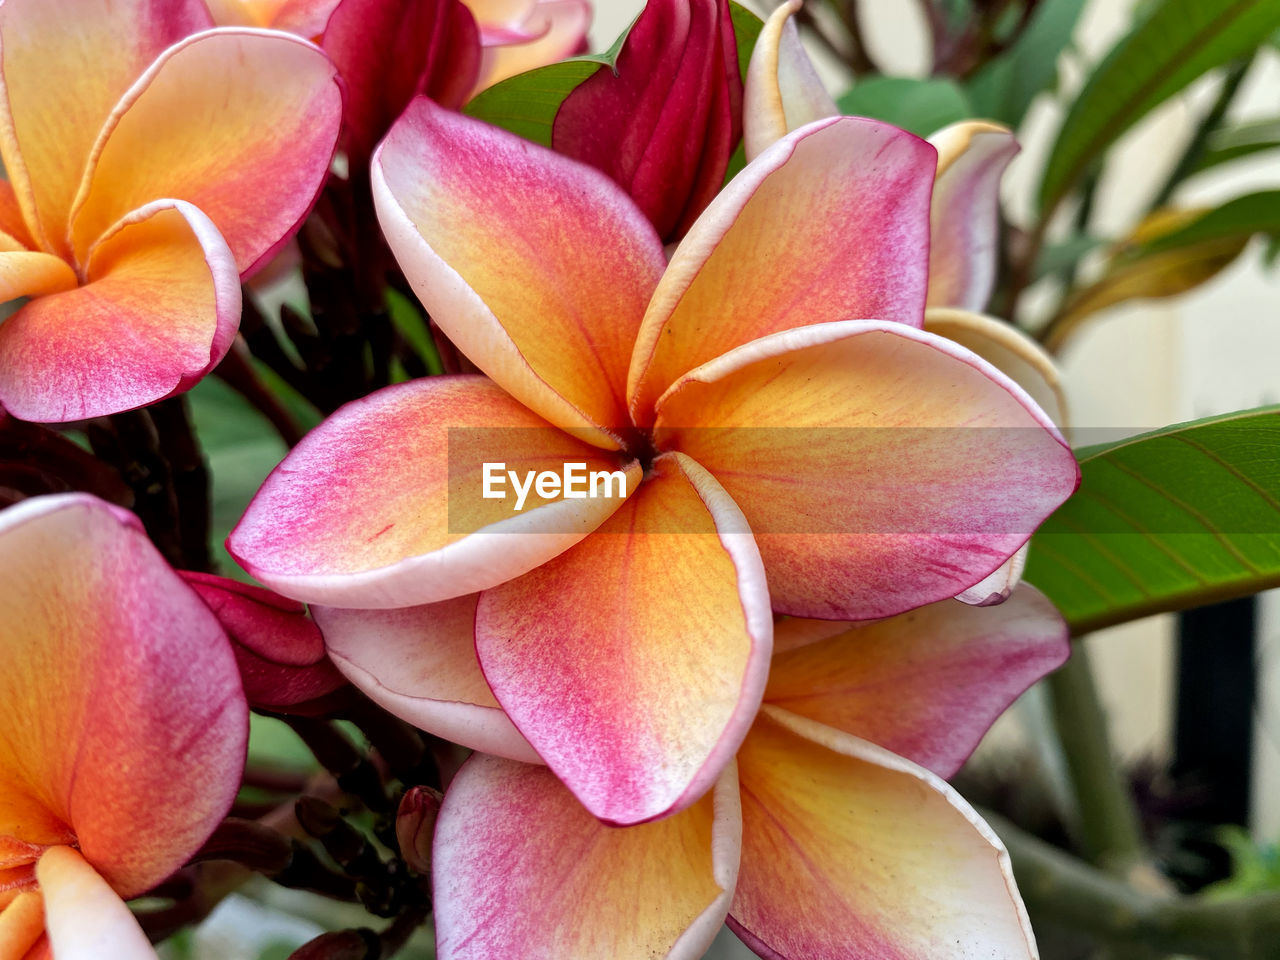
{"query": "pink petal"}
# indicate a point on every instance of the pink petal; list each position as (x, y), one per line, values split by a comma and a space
(120, 697)
(926, 684)
(830, 223)
(880, 467)
(538, 268)
(66, 64)
(159, 309)
(241, 123)
(419, 663)
(633, 663)
(381, 505)
(965, 218)
(523, 871)
(850, 851)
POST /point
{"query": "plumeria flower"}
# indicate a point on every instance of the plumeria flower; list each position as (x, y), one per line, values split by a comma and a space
(777, 454)
(151, 164)
(664, 123)
(123, 727)
(784, 92)
(834, 835)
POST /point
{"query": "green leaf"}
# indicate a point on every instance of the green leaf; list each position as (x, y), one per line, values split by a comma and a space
(1233, 143)
(1064, 254)
(746, 30)
(241, 448)
(527, 103)
(1177, 42)
(1168, 520)
(1240, 218)
(1004, 88)
(919, 106)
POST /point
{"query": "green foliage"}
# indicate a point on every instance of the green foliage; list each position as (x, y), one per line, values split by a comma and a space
(1254, 868)
(1004, 88)
(1235, 143)
(241, 448)
(1168, 520)
(1174, 44)
(527, 103)
(1238, 219)
(920, 106)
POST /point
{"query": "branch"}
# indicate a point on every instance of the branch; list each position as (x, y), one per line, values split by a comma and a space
(1057, 887)
(1105, 817)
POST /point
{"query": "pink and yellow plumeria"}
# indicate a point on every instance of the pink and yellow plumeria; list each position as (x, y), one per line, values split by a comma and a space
(834, 836)
(783, 92)
(151, 163)
(628, 639)
(122, 727)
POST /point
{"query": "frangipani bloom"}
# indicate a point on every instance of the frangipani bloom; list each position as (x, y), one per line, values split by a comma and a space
(821, 845)
(665, 124)
(778, 455)
(123, 727)
(149, 167)
(783, 92)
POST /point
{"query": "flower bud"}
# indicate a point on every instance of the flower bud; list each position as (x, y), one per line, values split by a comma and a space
(415, 826)
(666, 123)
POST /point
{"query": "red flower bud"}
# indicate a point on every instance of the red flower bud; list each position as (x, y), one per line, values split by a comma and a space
(416, 825)
(279, 650)
(390, 51)
(665, 125)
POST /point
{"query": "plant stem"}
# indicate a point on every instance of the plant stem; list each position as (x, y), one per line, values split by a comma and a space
(1106, 820)
(1195, 147)
(1071, 894)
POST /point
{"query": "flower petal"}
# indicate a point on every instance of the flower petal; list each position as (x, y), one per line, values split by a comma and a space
(536, 266)
(381, 505)
(420, 664)
(830, 223)
(965, 217)
(634, 662)
(558, 29)
(783, 91)
(119, 697)
(848, 850)
(14, 234)
(27, 274)
(279, 651)
(880, 467)
(523, 871)
(1007, 349)
(65, 65)
(84, 916)
(925, 684)
(389, 51)
(664, 122)
(21, 924)
(997, 587)
(242, 123)
(158, 311)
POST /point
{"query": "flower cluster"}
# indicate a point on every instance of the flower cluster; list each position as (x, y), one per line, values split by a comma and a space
(730, 690)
